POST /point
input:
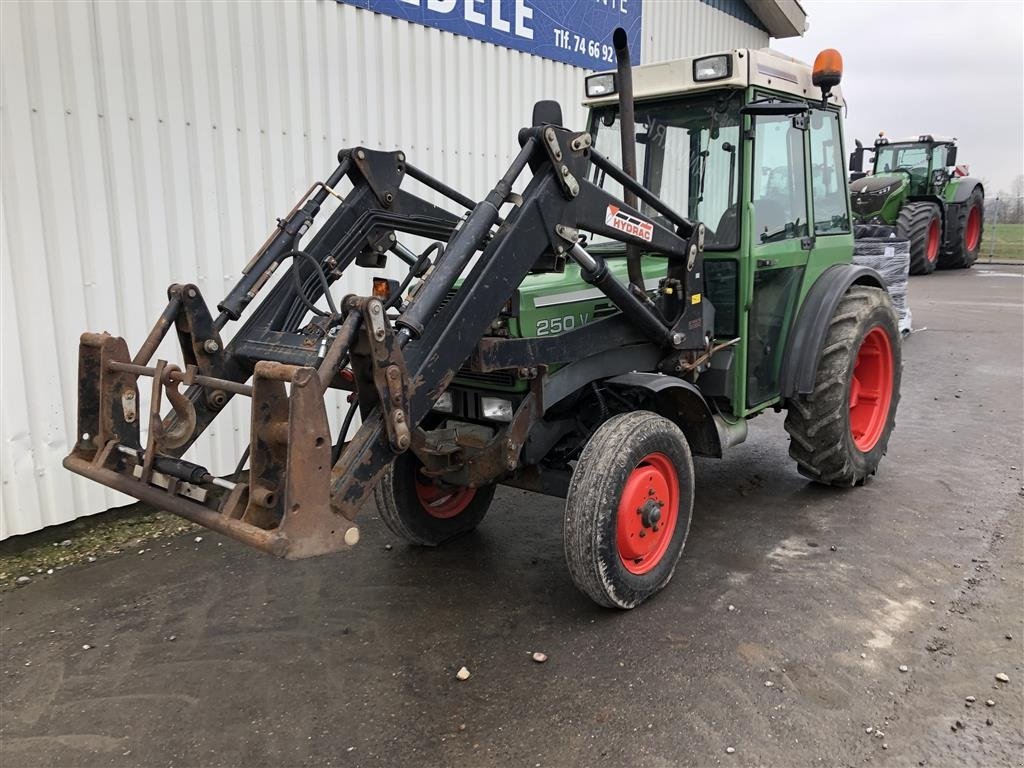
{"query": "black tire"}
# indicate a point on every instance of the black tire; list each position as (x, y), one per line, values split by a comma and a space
(821, 425)
(915, 223)
(409, 517)
(623, 448)
(964, 243)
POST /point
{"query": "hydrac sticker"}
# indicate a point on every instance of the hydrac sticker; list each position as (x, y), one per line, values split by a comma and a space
(631, 225)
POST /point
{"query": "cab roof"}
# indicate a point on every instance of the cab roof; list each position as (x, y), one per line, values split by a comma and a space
(747, 66)
(930, 138)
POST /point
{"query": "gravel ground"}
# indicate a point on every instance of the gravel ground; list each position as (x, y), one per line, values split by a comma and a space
(782, 640)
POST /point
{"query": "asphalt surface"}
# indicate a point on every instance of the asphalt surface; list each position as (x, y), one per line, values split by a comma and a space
(210, 654)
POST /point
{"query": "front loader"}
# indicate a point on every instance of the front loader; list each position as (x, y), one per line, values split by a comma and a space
(663, 277)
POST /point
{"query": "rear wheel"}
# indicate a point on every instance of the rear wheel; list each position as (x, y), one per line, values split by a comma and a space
(423, 510)
(628, 510)
(966, 222)
(839, 433)
(921, 223)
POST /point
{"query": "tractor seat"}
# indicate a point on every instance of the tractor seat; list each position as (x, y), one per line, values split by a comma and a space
(725, 232)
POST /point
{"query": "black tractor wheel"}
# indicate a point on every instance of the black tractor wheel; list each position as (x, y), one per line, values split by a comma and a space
(921, 223)
(628, 510)
(423, 510)
(966, 221)
(839, 432)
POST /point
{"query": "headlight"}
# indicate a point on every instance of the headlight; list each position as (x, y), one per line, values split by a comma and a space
(444, 403)
(712, 68)
(600, 85)
(496, 408)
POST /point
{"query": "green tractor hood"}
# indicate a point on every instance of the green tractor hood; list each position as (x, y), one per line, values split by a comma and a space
(877, 198)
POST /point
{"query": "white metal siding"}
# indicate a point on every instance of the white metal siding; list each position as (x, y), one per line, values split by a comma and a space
(674, 29)
(149, 143)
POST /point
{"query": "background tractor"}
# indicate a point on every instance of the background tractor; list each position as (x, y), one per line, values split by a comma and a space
(677, 268)
(916, 187)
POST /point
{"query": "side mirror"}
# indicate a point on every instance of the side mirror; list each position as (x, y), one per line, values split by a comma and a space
(951, 156)
(857, 158)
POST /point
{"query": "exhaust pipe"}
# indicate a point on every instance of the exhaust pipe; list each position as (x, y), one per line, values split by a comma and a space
(627, 132)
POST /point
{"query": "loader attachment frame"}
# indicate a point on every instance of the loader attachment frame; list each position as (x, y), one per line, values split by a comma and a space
(302, 490)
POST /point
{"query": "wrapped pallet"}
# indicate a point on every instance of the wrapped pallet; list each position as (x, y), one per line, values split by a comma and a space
(879, 247)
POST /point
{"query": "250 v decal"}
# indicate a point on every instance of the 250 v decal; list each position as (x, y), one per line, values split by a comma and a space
(553, 325)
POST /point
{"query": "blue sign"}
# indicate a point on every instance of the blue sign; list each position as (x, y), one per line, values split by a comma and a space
(578, 32)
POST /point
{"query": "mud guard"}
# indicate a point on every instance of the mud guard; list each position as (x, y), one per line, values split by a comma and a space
(803, 350)
(682, 403)
(965, 185)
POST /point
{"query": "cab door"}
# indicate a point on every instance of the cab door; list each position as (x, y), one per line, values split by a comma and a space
(781, 242)
(830, 197)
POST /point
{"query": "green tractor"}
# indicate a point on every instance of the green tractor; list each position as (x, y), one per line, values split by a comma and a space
(912, 188)
(678, 267)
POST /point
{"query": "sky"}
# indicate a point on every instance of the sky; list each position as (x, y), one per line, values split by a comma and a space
(949, 67)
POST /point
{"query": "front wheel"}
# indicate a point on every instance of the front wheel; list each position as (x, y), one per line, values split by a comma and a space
(921, 223)
(628, 511)
(425, 511)
(839, 432)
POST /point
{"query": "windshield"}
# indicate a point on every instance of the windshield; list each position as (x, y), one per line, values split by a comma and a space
(687, 154)
(905, 156)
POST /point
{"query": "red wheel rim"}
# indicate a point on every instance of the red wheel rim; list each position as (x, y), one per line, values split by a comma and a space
(648, 512)
(932, 251)
(871, 389)
(442, 501)
(973, 232)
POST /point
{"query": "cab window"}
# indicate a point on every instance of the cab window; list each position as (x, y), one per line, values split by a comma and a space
(779, 189)
(828, 181)
(686, 154)
(893, 158)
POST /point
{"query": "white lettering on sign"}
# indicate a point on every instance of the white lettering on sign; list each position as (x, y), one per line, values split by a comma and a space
(576, 32)
(523, 14)
(631, 225)
(497, 22)
(473, 12)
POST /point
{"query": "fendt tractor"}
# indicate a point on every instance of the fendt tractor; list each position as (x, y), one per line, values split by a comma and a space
(677, 268)
(917, 187)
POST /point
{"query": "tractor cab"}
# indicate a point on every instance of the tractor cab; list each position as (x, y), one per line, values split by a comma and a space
(745, 143)
(924, 162)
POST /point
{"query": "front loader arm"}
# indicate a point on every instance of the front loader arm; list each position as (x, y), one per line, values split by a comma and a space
(294, 501)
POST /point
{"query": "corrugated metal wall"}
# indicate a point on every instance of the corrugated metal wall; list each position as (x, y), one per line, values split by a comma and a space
(148, 143)
(674, 29)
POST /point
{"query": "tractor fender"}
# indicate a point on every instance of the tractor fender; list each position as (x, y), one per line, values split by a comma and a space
(680, 402)
(963, 186)
(807, 337)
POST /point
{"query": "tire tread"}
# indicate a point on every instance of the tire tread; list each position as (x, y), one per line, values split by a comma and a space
(913, 222)
(817, 423)
(594, 488)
